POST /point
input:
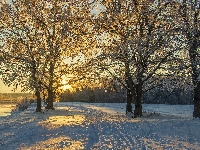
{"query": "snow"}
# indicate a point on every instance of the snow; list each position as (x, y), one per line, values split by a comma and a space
(5, 109)
(100, 126)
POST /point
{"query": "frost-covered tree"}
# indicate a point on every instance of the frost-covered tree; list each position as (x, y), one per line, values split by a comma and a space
(21, 57)
(190, 23)
(142, 38)
(37, 36)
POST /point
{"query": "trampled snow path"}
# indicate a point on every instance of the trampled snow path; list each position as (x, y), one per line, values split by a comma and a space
(100, 126)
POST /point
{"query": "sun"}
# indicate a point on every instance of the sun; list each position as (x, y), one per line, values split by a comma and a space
(65, 85)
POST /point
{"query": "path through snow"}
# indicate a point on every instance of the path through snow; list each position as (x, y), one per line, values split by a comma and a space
(99, 126)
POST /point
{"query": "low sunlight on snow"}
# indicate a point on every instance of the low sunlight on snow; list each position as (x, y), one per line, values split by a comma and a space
(100, 126)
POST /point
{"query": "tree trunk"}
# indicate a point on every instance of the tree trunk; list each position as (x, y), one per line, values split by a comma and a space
(193, 60)
(50, 100)
(138, 102)
(129, 101)
(196, 100)
(34, 83)
(50, 97)
(38, 109)
(129, 88)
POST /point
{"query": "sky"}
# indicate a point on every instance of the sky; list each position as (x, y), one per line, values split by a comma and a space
(6, 89)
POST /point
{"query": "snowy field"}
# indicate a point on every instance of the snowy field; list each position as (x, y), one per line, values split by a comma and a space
(5, 109)
(101, 126)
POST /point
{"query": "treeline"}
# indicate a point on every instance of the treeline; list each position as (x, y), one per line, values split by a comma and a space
(93, 95)
(12, 96)
(164, 96)
(156, 96)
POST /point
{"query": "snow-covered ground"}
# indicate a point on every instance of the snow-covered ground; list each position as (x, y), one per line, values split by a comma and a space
(5, 109)
(101, 126)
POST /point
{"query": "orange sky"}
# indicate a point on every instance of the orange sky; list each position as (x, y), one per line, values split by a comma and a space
(6, 89)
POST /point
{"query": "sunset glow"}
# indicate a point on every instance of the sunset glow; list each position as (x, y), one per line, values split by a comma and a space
(65, 85)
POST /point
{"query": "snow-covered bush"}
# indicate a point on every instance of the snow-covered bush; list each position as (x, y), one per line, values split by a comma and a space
(23, 104)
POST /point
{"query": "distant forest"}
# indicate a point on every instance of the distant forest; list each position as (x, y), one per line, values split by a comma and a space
(15, 96)
(156, 96)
